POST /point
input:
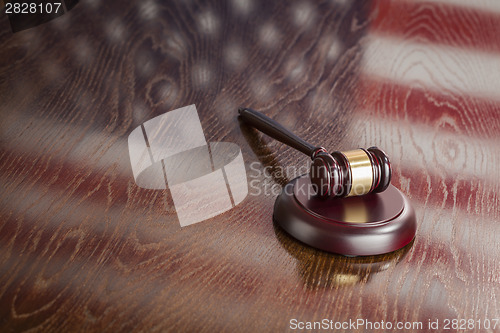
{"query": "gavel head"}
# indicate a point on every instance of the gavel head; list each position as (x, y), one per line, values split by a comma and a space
(350, 173)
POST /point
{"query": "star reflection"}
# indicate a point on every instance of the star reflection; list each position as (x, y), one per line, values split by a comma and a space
(234, 56)
(208, 23)
(269, 35)
(83, 51)
(243, 7)
(303, 14)
(201, 75)
(115, 30)
(148, 10)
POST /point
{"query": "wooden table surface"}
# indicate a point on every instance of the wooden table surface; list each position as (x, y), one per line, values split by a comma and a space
(82, 247)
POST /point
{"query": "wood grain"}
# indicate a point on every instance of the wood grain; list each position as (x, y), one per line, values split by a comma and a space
(83, 248)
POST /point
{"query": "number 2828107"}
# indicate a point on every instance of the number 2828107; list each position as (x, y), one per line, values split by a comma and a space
(33, 8)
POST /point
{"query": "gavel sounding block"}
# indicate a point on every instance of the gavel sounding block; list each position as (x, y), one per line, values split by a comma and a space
(372, 224)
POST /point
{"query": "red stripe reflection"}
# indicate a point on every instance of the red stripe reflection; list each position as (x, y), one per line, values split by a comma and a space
(438, 23)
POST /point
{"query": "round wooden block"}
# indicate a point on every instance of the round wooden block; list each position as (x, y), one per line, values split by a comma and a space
(372, 224)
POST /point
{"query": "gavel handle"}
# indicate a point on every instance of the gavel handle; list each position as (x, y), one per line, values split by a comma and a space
(276, 131)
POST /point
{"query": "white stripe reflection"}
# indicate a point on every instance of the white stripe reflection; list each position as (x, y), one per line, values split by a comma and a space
(444, 68)
(417, 146)
(484, 5)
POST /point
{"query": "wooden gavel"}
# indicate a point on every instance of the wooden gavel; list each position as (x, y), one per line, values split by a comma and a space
(339, 174)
